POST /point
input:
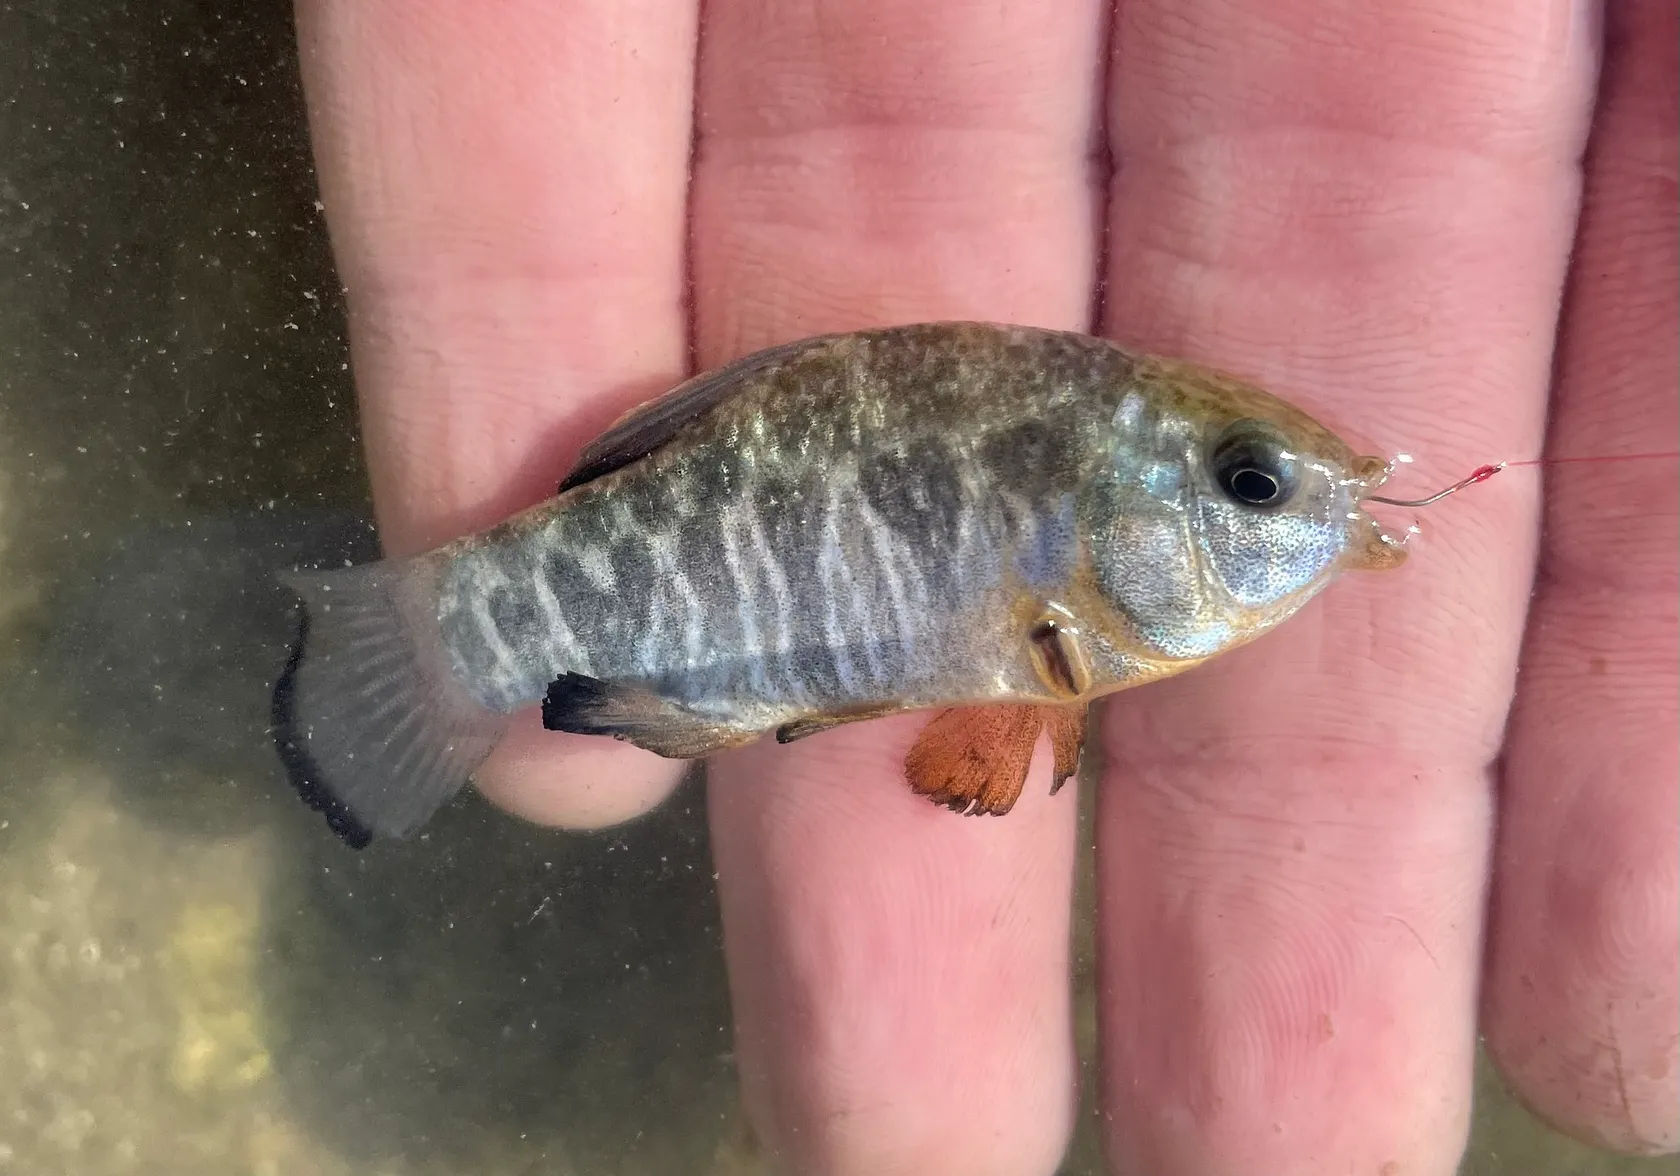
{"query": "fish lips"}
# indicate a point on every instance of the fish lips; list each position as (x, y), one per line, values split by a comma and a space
(1370, 547)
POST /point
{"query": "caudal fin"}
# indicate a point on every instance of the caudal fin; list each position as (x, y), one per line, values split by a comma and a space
(372, 726)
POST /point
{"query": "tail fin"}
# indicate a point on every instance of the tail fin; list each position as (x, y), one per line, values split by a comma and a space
(373, 728)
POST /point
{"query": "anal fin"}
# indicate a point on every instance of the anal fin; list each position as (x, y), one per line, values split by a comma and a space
(800, 728)
(581, 705)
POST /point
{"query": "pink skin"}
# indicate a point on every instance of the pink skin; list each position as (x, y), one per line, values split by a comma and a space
(1368, 206)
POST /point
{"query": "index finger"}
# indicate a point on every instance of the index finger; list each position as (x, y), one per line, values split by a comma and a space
(506, 188)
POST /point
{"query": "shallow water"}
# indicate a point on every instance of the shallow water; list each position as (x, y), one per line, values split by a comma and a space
(194, 977)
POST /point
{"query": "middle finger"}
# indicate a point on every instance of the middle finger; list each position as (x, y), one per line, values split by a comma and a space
(900, 974)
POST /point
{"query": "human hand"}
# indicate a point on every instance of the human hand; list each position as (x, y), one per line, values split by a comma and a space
(1369, 208)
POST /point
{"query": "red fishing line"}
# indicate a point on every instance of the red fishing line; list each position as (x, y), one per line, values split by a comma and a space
(1483, 473)
(1604, 457)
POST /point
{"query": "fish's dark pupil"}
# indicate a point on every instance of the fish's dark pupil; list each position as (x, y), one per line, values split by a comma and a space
(1253, 466)
(1252, 485)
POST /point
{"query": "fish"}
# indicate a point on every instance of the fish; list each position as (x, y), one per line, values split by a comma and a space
(995, 522)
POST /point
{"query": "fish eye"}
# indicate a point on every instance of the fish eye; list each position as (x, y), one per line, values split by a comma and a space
(1253, 465)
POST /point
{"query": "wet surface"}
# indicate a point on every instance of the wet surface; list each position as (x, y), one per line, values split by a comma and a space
(195, 977)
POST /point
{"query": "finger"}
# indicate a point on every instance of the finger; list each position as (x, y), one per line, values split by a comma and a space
(1583, 996)
(1369, 208)
(506, 188)
(900, 973)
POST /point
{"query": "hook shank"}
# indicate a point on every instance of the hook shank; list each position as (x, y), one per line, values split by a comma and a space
(1480, 475)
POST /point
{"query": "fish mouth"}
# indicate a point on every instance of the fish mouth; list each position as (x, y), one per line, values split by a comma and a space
(1371, 547)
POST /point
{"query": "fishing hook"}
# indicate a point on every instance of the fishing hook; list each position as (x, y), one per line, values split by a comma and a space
(1480, 475)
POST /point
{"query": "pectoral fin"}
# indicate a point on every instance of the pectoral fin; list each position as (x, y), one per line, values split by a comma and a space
(583, 705)
(1058, 654)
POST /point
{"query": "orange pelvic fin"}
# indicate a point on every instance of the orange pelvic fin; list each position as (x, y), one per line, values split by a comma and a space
(1066, 725)
(974, 760)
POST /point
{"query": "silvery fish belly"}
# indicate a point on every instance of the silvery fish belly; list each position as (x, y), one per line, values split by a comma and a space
(932, 516)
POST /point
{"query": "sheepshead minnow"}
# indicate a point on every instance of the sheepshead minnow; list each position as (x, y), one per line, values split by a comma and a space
(1006, 520)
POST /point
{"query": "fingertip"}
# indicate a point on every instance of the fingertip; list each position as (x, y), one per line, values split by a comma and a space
(1581, 1011)
(574, 781)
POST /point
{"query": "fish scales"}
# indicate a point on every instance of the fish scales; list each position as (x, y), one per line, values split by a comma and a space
(838, 536)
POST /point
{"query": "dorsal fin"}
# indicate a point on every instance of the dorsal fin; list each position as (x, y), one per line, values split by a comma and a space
(649, 426)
